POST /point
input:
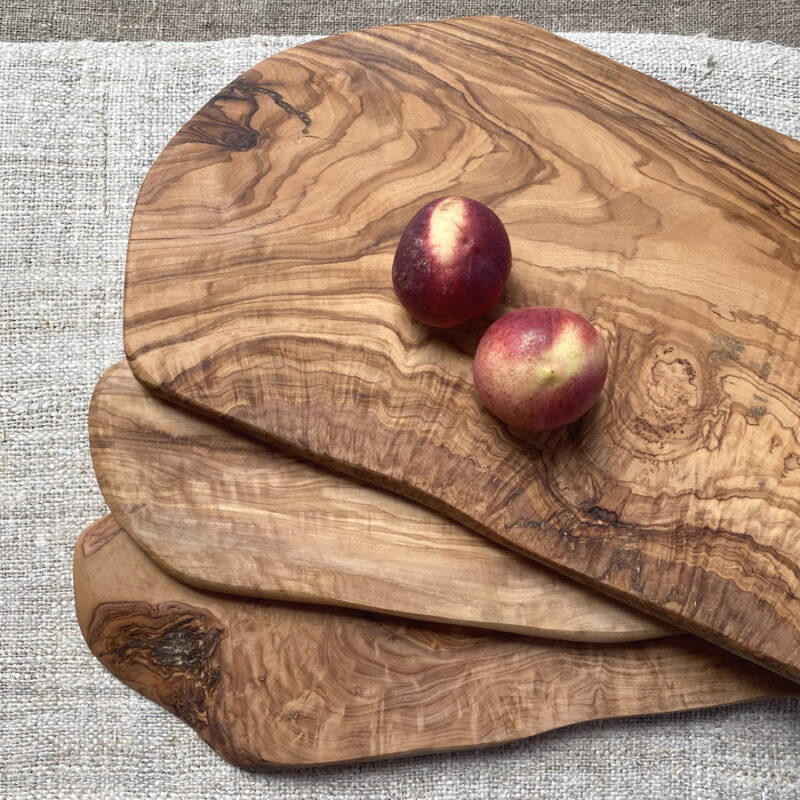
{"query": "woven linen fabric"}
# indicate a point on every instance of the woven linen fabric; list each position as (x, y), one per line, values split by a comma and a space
(79, 127)
(176, 20)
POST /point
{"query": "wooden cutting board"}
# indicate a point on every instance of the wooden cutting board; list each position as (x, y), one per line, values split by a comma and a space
(224, 512)
(269, 683)
(258, 291)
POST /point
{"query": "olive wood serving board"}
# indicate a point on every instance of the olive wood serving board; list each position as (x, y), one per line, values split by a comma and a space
(259, 292)
(267, 683)
(225, 512)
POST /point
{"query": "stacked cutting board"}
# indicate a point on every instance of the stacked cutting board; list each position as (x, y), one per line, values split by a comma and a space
(322, 547)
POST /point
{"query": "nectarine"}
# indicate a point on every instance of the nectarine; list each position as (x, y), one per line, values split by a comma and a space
(452, 262)
(540, 368)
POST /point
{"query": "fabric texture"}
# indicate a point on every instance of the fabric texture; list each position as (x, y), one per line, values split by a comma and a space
(176, 20)
(79, 127)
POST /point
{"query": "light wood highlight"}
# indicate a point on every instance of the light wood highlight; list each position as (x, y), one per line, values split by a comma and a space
(225, 512)
(258, 291)
(274, 684)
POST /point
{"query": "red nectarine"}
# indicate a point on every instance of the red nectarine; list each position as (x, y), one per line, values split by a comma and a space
(540, 368)
(452, 262)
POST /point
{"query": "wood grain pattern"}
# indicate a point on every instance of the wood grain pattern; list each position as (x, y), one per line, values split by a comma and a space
(258, 291)
(268, 683)
(225, 512)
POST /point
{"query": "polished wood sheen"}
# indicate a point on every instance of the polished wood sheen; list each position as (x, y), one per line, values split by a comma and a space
(225, 512)
(269, 683)
(259, 292)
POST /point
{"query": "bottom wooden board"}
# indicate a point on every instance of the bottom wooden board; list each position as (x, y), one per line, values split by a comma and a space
(267, 683)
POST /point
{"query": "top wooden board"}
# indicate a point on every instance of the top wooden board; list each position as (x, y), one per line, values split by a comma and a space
(258, 291)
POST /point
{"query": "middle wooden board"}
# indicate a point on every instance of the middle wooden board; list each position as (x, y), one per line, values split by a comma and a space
(224, 512)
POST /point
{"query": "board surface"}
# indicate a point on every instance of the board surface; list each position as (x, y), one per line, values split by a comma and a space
(258, 291)
(269, 683)
(225, 512)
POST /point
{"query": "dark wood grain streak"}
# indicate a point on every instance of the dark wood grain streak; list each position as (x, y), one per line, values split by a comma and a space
(258, 292)
(225, 512)
(274, 684)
